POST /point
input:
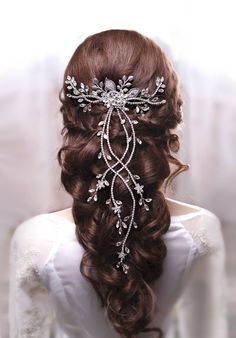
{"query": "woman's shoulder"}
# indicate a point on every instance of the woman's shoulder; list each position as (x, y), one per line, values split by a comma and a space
(39, 226)
(203, 225)
(33, 239)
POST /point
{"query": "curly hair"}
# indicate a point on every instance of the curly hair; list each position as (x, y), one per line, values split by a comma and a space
(129, 301)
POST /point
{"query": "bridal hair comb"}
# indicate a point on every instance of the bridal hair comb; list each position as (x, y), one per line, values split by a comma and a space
(117, 98)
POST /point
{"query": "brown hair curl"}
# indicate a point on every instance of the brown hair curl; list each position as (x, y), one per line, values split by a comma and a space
(129, 300)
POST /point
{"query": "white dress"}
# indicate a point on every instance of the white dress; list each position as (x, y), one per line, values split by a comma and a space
(49, 297)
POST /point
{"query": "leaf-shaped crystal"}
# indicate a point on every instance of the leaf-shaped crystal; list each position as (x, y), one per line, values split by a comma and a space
(138, 140)
(133, 92)
(135, 225)
(109, 85)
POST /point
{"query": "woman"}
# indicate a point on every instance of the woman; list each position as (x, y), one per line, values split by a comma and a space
(116, 263)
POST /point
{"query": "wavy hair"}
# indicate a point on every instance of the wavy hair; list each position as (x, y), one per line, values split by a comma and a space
(129, 301)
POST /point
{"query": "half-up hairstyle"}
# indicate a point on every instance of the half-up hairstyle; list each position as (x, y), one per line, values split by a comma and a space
(128, 300)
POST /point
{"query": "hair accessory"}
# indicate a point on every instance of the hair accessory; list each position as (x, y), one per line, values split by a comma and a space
(116, 98)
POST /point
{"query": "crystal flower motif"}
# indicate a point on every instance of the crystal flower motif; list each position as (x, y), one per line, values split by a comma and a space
(114, 98)
(116, 209)
(100, 184)
(139, 188)
(121, 254)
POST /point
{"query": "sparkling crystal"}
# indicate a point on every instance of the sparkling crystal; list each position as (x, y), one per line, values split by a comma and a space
(138, 140)
(124, 225)
(135, 225)
(127, 249)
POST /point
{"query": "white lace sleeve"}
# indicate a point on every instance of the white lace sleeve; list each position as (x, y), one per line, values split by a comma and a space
(201, 310)
(30, 311)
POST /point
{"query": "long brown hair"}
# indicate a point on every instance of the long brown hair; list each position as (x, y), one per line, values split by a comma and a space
(128, 300)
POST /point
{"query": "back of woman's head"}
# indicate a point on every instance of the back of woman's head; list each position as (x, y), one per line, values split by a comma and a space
(129, 300)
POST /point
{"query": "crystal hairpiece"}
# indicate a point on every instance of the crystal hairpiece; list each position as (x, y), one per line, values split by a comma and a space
(116, 98)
